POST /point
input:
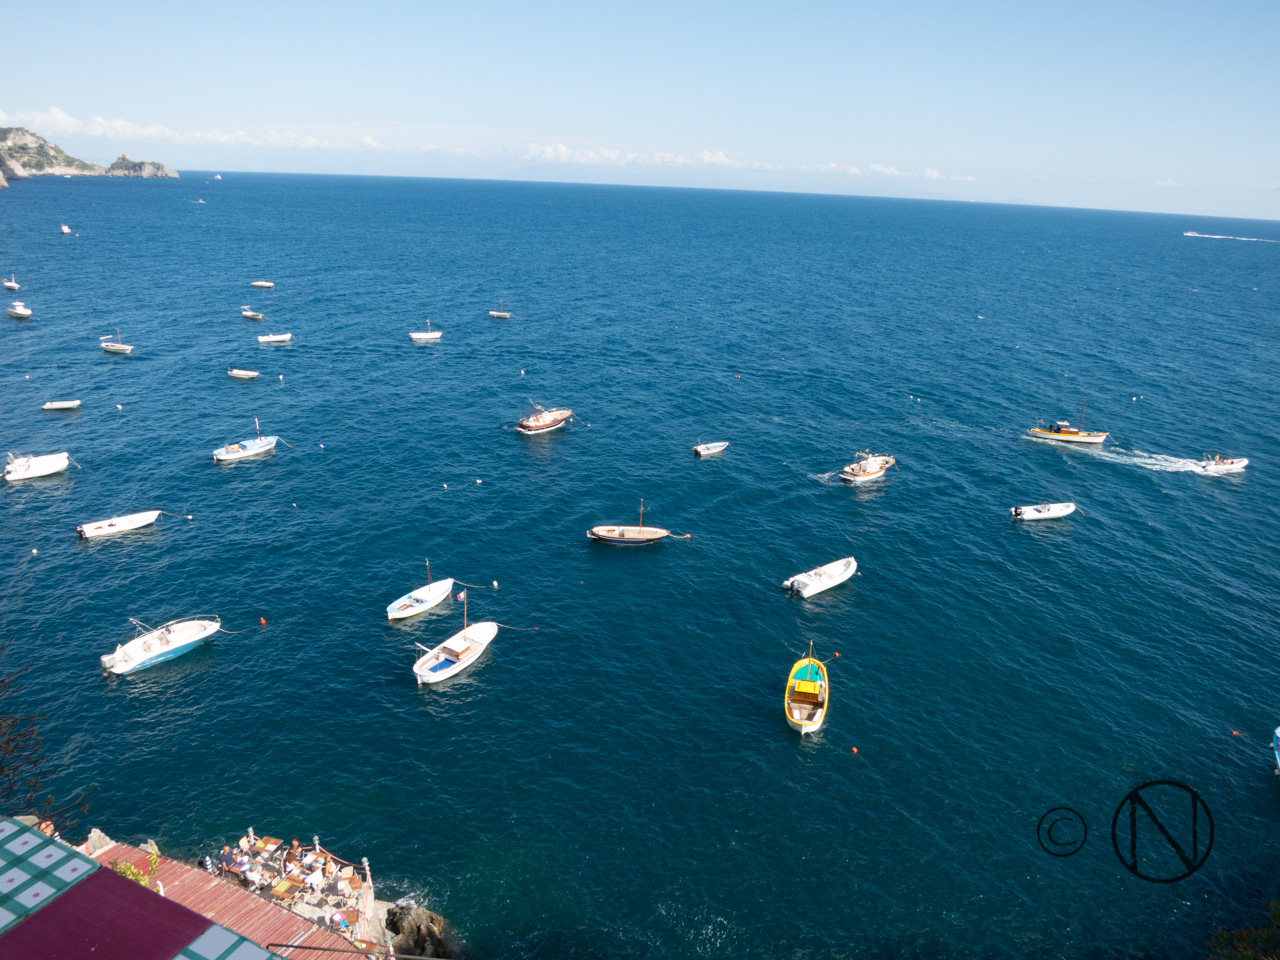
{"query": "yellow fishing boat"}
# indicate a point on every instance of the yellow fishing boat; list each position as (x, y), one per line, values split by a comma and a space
(808, 694)
(1064, 432)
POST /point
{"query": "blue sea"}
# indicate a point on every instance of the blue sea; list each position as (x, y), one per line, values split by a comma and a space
(616, 780)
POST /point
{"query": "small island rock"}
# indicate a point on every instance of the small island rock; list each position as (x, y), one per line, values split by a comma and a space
(127, 167)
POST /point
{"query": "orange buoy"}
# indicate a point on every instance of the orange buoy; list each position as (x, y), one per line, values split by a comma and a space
(263, 621)
(1235, 733)
(854, 749)
(837, 656)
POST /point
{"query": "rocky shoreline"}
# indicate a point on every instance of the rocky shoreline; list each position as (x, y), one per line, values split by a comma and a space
(24, 154)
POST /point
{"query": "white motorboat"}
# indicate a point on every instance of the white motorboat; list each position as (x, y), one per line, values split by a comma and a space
(262, 284)
(249, 313)
(822, 578)
(116, 345)
(19, 310)
(27, 468)
(217, 176)
(707, 449)
(242, 374)
(246, 448)
(426, 336)
(12, 283)
(65, 228)
(1043, 511)
(1218, 465)
(61, 405)
(454, 655)
(500, 314)
(868, 466)
(419, 601)
(1064, 432)
(275, 338)
(131, 521)
(538, 420)
(163, 643)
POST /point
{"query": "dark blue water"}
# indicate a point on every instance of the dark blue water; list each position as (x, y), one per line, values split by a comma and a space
(620, 783)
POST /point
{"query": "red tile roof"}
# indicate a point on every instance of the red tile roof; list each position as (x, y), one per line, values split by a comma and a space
(231, 905)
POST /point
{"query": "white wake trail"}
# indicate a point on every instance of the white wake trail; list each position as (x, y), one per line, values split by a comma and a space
(1214, 236)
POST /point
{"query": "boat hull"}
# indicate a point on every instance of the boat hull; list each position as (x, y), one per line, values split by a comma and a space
(532, 425)
(1215, 468)
(247, 448)
(262, 284)
(61, 405)
(276, 338)
(156, 647)
(243, 374)
(500, 314)
(1068, 437)
(627, 536)
(435, 665)
(426, 337)
(28, 468)
(815, 581)
(709, 449)
(103, 528)
(420, 601)
(870, 468)
(802, 714)
(117, 348)
(1042, 511)
(23, 314)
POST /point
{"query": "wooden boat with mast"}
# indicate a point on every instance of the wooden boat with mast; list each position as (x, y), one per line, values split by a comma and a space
(808, 694)
(421, 600)
(457, 653)
(630, 536)
(536, 419)
(246, 448)
(500, 313)
(1063, 431)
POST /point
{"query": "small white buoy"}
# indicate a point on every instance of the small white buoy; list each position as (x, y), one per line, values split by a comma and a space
(295, 506)
(1135, 399)
(522, 373)
(323, 447)
(282, 378)
(190, 517)
(28, 376)
(118, 407)
(479, 481)
(495, 584)
(446, 486)
(34, 551)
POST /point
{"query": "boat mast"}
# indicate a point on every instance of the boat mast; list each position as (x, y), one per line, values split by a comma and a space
(428, 573)
(257, 429)
(642, 513)
(1081, 426)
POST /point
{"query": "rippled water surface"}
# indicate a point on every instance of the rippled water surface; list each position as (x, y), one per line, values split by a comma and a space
(620, 782)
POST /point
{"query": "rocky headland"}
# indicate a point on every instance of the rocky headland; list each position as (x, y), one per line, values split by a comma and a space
(25, 154)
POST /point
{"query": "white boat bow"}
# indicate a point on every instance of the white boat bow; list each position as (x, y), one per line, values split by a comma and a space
(821, 578)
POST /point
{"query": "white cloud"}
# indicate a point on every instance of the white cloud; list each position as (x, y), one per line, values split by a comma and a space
(889, 171)
(1167, 183)
(560, 153)
(931, 174)
(832, 168)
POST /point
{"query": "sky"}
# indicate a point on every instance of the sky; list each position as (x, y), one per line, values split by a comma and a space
(1169, 107)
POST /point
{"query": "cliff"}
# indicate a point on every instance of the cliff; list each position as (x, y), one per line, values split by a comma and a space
(127, 167)
(25, 154)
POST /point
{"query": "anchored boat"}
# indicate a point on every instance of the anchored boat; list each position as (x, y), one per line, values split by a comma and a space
(629, 536)
(275, 338)
(61, 405)
(28, 468)
(12, 283)
(19, 310)
(246, 448)
(707, 449)
(537, 420)
(426, 336)
(868, 466)
(115, 346)
(242, 374)
(822, 578)
(65, 229)
(808, 692)
(1063, 431)
(500, 314)
(457, 653)
(1045, 511)
(249, 313)
(163, 643)
(131, 521)
(262, 284)
(419, 601)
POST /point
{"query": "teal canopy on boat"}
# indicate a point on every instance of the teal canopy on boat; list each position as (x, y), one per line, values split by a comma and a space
(807, 671)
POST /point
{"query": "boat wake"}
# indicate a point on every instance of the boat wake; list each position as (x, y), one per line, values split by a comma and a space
(1165, 464)
(831, 479)
(1214, 236)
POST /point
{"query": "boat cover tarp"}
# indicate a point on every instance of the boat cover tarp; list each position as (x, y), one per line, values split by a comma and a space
(807, 671)
(106, 917)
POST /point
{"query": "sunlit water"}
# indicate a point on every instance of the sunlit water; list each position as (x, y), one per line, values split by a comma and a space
(620, 782)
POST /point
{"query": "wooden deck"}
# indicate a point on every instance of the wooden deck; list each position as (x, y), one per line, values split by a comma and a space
(232, 906)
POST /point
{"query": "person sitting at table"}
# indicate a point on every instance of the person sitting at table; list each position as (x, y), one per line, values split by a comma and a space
(242, 863)
(330, 868)
(294, 853)
(315, 879)
(253, 874)
(225, 859)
